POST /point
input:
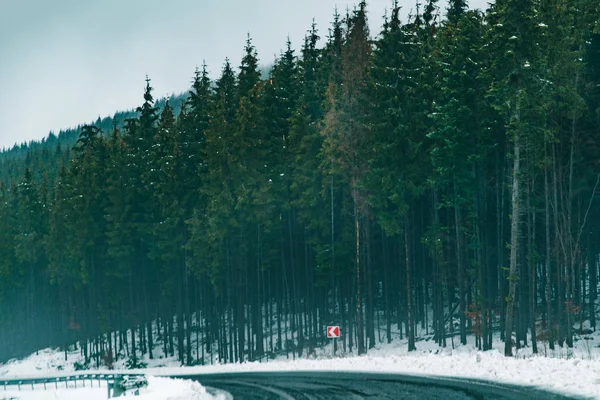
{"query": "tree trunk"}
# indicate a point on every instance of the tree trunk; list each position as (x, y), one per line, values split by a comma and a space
(500, 198)
(370, 299)
(532, 267)
(359, 313)
(335, 302)
(409, 303)
(560, 250)
(593, 274)
(514, 242)
(170, 334)
(386, 290)
(461, 268)
(150, 339)
(573, 247)
(549, 316)
(134, 360)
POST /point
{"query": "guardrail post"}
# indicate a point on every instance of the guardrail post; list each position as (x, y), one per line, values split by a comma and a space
(117, 390)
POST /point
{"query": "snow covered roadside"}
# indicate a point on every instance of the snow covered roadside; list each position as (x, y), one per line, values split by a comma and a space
(575, 376)
(575, 371)
(158, 389)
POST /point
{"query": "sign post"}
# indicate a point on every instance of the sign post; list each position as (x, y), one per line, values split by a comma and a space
(333, 332)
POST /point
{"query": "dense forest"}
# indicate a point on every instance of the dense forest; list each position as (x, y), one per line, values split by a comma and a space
(43, 156)
(440, 174)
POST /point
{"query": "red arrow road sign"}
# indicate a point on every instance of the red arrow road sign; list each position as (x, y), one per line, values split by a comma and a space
(333, 332)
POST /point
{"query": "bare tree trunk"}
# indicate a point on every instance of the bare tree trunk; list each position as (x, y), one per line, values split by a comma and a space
(370, 315)
(461, 268)
(438, 278)
(133, 349)
(386, 288)
(514, 242)
(532, 266)
(569, 268)
(335, 303)
(186, 304)
(481, 262)
(574, 247)
(559, 260)
(150, 338)
(359, 313)
(593, 274)
(549, 318)
(294, 295)
(409, 303)
(500, 243)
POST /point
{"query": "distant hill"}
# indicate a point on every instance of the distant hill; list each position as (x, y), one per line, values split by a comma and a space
(44, 152)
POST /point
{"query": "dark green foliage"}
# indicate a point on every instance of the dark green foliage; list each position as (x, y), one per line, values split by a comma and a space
(449, 165)
(456, 9)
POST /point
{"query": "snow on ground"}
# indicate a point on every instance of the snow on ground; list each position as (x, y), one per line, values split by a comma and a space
(570, 371)
(576, 371)
(158, 389)
(573, 375)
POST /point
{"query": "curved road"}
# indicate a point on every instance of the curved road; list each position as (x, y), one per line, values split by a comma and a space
(338, 385)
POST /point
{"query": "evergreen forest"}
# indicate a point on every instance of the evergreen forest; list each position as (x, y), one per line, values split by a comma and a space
(439, 174)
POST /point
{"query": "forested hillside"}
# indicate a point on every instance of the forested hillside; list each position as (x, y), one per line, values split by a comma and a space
(46, 155)
(442, 172)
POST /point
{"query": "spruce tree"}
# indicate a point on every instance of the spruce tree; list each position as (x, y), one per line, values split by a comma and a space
(513, 37)
(345, 135)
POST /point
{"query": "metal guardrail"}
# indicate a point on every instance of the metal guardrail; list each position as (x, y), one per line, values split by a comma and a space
(116, 384)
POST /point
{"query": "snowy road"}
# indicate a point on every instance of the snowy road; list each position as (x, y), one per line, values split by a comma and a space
(327, 385)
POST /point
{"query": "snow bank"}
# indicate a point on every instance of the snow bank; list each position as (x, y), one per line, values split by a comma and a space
(569, 371)
(158, 389)
(575, 376)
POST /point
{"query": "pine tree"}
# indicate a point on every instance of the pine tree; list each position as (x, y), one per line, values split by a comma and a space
(8, 258)
(211, 221)
(456, 10)
(59, 263)
(193, 130)
(459, 147)
(249, 74)
(216, 190)
(513, 37)
(345, 134)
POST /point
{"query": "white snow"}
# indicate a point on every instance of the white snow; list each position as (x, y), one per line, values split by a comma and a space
(158, 389)
(569, 371)
(565, 370)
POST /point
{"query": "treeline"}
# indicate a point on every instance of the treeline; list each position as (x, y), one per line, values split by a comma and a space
(450, 165)
(46, 155)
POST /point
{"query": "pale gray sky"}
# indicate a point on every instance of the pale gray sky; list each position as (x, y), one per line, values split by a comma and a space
(65, 62)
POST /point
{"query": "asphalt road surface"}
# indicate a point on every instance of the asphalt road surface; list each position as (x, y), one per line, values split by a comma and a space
(332, 385)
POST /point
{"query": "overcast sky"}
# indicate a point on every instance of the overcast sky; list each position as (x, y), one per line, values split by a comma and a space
(66, 62)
